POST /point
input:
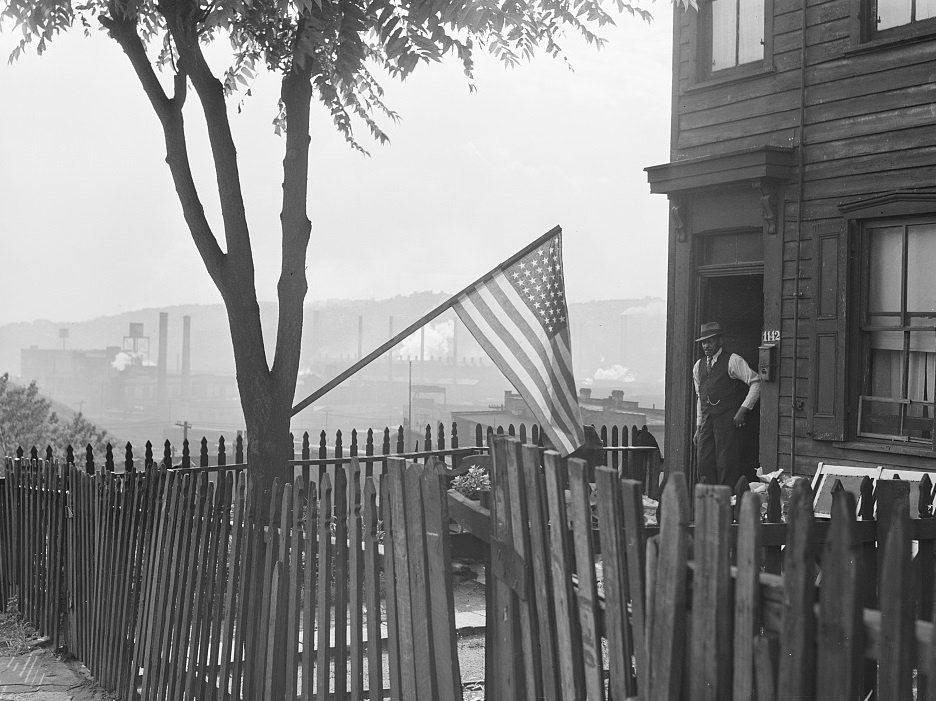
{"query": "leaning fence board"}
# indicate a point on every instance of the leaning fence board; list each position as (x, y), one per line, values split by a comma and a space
(710, 642)
(896, 659)
(324, 603)
(535, 491)
(355, 585)
(309, 592)
(796, 675)
(587, 589)
(571, 673)
(394, 624)
(372, 591)
(840, 643)
(666, 636)
(340, 656)
(747, 621)
(418, 595)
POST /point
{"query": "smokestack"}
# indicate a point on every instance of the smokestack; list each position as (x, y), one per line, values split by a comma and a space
(360, 337)
(186, 357)
(162, 395)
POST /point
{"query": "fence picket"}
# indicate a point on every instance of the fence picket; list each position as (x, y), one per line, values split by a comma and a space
(571, 672)
(535, 491)
(840, 644)
(355, 583)
(587, 589)
(372, 591)
(324, 603)
(797, 671)
(897, 621)
(747, 619)
(340, 656)
(666, 639)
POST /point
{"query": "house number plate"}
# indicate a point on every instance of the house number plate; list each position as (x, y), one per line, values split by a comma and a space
(770, 336)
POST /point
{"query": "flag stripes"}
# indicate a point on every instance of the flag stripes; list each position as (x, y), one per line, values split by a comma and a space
(538, 366)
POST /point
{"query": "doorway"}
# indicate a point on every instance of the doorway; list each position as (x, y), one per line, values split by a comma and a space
(736, 300)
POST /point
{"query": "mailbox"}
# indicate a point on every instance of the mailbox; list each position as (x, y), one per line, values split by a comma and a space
(767, 361)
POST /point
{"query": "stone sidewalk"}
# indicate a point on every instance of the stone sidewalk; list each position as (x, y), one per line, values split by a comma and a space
(41, 676)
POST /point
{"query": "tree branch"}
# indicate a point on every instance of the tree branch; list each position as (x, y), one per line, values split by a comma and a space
(296, 94)
(182, 21)
(123, 29)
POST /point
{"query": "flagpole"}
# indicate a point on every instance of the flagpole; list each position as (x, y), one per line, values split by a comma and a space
(422, 321)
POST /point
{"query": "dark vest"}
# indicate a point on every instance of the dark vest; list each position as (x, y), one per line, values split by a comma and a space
(719, 392)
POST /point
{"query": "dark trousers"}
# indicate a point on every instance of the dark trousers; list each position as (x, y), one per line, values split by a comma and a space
(719, 450)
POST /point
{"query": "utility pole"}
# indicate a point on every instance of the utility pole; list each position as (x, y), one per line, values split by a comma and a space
(185, 426)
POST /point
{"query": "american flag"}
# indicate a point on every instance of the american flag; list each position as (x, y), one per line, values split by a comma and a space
(518, 314)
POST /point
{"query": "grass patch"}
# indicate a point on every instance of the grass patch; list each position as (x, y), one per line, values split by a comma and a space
(15, 633)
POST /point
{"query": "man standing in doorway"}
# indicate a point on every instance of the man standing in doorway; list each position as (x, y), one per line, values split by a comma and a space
(726, 390)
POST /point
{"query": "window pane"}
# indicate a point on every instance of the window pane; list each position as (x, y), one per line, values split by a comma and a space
(921, 254)
(918, 423)
(751, 31)
(750, 248)
(882, 418)
(885, 363)
(893, 13)
(724, 34)
(885, 269)
(925, 9)
(921, 376)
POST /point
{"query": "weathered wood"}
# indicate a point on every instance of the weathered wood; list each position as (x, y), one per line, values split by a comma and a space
(797, 672)
(309, 589)
(586, 590)
(355, 583)
(372, 591)
(711, 640)
(747, 597)
(341, 582)
(324, 599)
(520, 541)
(393, 621)
(441, 593)
(507, 651)
(294, 590)
(571, 673)
(666, 636)
(635, 547)
(534, 489)
(840, 643)
(404, 622)
(896, 660)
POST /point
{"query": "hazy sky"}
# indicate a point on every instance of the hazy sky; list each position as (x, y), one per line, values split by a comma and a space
(90, 225)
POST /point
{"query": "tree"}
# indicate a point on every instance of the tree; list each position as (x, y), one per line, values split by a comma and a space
(27, 420)
(330, 50)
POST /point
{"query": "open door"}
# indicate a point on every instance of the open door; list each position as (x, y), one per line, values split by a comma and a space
(737, 302)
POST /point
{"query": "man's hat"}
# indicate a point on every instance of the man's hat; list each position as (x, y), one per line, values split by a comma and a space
(709, 329)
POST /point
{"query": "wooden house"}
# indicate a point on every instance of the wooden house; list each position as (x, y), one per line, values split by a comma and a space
(802, 193)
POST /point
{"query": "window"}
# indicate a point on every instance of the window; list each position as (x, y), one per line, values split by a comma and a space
(898, 331)
(732, 34)
(898, 19)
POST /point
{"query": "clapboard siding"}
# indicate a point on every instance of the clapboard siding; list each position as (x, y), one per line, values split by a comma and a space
(868, 130)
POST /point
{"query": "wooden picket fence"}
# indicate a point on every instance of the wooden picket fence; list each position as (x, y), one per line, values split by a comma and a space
(166, 585)
(645, 620)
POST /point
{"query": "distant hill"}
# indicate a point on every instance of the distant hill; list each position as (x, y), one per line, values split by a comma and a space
(616, 343)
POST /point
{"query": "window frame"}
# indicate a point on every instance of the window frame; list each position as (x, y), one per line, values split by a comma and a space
(702, 55)
(868, 36)
(865, 328)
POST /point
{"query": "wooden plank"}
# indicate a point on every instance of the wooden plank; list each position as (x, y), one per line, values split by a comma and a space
(764, 669)
(535, 492)
(587, 589)
(635, 558)
(341, 581)
(747, 597)
(294, 591)
(271, 635)
(323, 590)
(666, 622)
(441, 594)
(571, 672)
(372, 591)
(710, 671)
(896, 657)
(221, 576)
(405, 642)
(394, 624)
(355, 584)
(529, 633)
(507, 648)
(228, 681)
(797, 673)
(614, 567)
(418, 584)
(773, 557)
(840, 644)
(309, 590)
(192, 646)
